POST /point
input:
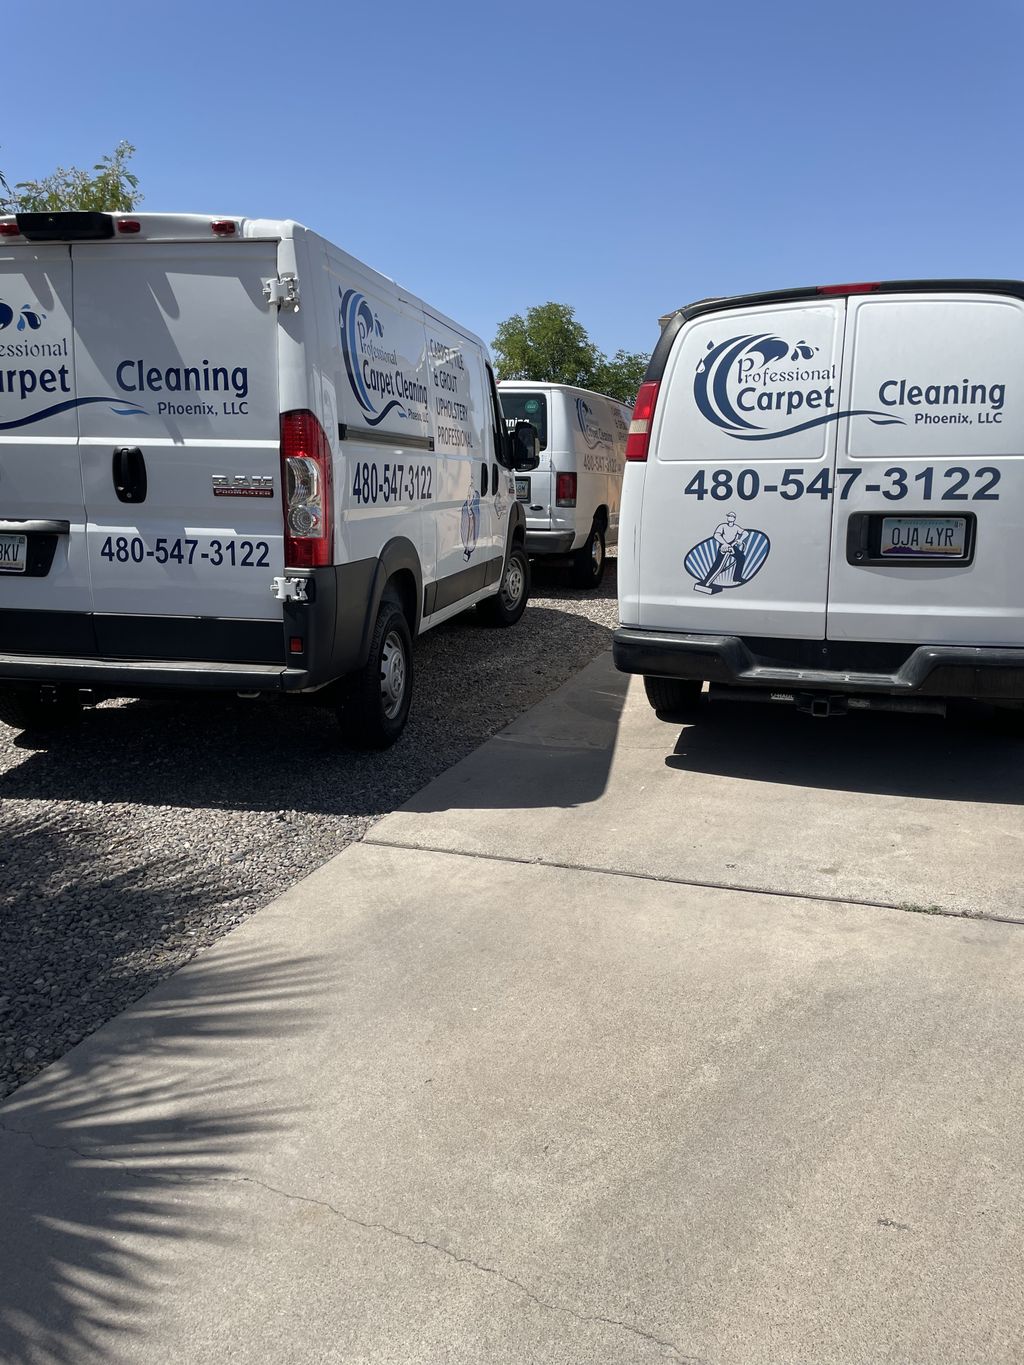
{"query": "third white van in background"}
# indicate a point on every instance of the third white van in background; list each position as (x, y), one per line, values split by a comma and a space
(572, 498)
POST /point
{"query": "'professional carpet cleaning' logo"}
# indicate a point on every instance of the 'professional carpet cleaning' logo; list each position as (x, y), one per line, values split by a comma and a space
(593, 433)
(374, 370)
(743, 380)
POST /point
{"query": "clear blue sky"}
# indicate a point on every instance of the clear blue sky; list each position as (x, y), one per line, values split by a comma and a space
(623, 159)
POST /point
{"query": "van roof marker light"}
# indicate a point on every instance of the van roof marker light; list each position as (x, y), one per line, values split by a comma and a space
(640, 427)
(128, 225)
(847, 288)
(223, 227)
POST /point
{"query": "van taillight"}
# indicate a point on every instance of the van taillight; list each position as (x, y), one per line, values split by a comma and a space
(306, 485)
(565, 490)
(10, 230)
(640, 427)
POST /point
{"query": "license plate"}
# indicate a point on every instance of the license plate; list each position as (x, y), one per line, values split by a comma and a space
(13, 553)
(523, 490)
(939, 538)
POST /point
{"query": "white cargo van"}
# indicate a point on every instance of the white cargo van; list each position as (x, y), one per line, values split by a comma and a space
(823, 499)
(233, 457)
(572, 500)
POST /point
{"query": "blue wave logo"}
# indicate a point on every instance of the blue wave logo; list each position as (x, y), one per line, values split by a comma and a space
(739, 364)
(587, 425)
(117, 405)
(30, 318)
(359, 325)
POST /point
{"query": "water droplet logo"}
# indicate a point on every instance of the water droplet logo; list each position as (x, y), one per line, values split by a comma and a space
(31, 317)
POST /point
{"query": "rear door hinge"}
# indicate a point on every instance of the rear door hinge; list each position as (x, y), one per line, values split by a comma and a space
(283, 292)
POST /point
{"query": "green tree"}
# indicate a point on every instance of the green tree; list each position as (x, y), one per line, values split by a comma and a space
(621, 376)
(110, 188)
(549, 345)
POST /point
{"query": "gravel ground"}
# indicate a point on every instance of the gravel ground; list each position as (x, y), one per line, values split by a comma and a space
(135, 840)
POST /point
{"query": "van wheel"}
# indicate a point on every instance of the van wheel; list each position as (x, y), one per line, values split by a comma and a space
(32, 710)
(376, 703)
(674, 698)
(588, 561)
(509, 602)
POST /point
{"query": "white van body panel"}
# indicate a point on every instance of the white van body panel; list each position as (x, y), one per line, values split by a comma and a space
(176, 351)
(941, 342)
(713, 366)
(180, 309)
(40, 470)
(840, 473)
(586, 436)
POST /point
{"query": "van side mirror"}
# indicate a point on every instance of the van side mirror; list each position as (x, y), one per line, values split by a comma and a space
(525, 444)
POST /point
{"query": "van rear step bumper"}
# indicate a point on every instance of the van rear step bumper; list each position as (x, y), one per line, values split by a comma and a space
(128, 676)
(983, 672)
(549, 542)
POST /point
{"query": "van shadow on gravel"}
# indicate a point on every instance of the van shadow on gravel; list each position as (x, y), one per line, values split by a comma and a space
(97, 1164)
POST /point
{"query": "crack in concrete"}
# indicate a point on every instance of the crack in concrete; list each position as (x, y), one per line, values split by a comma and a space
(476, 1265)
(185, 1178)
(906, 907)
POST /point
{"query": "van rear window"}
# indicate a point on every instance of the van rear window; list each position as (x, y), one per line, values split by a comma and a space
(526, 407)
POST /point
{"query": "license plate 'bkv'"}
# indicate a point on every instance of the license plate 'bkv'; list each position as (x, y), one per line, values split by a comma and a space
(13, 553)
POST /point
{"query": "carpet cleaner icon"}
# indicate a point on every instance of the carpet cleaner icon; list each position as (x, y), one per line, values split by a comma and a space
(470, 529)
(728, 558)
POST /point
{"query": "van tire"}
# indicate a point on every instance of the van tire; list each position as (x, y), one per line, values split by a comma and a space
(509, 602)
(376, 700)
(32, 710)
(674, 698)
(589, 560)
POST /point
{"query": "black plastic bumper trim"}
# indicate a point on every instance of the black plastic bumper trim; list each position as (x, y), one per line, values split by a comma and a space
(549, 542)
(983, 671)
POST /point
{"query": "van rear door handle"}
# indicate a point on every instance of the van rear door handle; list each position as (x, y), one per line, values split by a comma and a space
(54, 526)
(129, 469)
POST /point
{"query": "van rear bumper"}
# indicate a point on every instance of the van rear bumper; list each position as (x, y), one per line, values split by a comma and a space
(549, 542)
(993, 673)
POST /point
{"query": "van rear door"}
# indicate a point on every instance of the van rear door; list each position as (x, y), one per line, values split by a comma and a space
(736, 502)
(42, 572)
(927, 509)
(181, 474)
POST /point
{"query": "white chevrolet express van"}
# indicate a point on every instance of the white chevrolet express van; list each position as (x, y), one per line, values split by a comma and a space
(823, 499)
(572, 499)
(233, 457)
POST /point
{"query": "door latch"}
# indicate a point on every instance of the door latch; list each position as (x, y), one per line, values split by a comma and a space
(290, 589)
(282, 292)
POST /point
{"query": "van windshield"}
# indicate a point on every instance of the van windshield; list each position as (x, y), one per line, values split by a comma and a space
(526, 407)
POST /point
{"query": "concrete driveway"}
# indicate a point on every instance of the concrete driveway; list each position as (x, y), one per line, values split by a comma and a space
(610, 1047)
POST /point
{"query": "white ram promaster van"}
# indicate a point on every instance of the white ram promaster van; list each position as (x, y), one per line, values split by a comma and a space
(233, 457)
(572, 499)
(823, 499)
